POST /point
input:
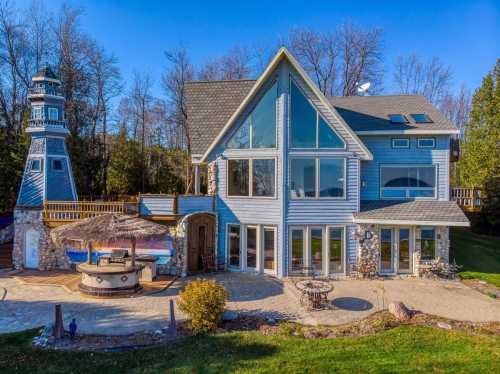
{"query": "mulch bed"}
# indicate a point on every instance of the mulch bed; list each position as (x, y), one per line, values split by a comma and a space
(373, 324)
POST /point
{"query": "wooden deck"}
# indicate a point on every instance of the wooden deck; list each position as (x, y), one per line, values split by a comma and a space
(69, 280)
(469, 199)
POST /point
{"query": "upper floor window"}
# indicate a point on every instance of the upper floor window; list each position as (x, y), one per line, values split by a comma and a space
(406, 182)
(35, 165)
(401, 143)
(421, 118)
(259, 128)
(426, 142)
(398, 118)
(308, 127)
(57, 165)
(317, 177)
(53, 114)
(37, 112)
(251, 177)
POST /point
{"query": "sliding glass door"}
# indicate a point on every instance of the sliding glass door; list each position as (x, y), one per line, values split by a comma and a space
(251, 248)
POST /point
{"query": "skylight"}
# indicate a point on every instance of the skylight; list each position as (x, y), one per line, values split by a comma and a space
(421, 118)
(398, 118)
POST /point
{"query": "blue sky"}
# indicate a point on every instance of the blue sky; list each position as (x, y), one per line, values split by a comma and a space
(463, 34)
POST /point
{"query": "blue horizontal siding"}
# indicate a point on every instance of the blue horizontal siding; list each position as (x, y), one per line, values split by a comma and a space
(156, 205)
(383, 153)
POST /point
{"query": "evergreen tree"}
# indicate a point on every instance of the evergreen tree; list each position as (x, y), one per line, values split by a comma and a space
(124, 171)
(481, 144)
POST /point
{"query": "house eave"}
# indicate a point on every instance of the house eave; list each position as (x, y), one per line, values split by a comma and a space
(409, 132)
(411, 222)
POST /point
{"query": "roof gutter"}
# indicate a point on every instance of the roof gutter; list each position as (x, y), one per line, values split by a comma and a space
(411, 222)
(409, 132)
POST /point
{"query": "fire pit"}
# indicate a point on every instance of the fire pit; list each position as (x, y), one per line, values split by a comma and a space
(109, 281)
(314, 293)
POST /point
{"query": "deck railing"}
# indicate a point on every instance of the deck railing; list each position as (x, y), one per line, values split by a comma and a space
(69, 211)
(468, 198)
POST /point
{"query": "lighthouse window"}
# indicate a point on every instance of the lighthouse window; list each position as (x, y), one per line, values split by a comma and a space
(57, 165)
(53, 114)
(35, 165)
(37, 112)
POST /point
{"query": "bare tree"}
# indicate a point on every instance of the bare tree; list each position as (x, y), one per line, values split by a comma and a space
(431, 79)
(457, 108)
(338, 61)
(236, 64)
(39, 34)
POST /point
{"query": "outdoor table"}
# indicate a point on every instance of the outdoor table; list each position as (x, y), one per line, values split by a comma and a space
(315, 292)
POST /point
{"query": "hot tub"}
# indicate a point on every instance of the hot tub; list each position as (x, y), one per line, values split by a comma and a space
(110, 280)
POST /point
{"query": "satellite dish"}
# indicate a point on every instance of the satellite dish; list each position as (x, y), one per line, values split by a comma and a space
(364, 87)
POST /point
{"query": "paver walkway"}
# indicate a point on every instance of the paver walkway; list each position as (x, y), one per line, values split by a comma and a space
(26, 306)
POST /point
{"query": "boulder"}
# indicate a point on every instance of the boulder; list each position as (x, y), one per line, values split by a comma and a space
(400, 311)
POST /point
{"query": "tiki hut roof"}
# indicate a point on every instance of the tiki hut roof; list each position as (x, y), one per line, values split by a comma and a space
(108, 228)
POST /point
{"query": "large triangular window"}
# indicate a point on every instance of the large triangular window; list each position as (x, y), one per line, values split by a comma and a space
(259, 129)
(308, 128)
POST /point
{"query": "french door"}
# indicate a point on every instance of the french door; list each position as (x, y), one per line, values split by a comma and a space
(395, 250)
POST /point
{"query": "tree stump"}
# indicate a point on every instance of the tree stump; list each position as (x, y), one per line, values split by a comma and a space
(400, 311)
(58, 324)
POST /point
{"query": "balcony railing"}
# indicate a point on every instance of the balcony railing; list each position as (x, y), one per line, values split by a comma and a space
(468, 198)
(56, 212)
(46, 122)
(44, 91)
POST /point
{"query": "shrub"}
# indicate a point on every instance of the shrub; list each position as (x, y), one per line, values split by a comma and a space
(203, 301)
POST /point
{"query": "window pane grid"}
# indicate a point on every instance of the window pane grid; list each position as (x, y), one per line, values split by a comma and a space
(259, 174)
(317, 178)
(408, 181)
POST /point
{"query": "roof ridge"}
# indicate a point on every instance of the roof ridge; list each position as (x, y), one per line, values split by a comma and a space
(220, 80)
(375, 96)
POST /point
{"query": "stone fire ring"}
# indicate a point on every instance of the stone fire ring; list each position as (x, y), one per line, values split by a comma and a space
(109, 281)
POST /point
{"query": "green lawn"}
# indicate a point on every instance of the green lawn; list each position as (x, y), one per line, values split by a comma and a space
(402, 349)
(479, 255)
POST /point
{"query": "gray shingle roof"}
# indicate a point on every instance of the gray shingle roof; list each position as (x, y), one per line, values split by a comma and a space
(419, 210)
(209, 105)
(370, 113)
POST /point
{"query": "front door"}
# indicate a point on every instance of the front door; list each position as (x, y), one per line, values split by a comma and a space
(31, 249)
(201, 243)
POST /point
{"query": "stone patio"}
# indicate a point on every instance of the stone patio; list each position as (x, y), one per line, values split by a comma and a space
(26, 306)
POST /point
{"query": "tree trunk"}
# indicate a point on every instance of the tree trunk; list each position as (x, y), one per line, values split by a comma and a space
(133, 251)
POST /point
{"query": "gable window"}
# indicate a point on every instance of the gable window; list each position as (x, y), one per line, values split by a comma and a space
(35, 165)
(259, 128)
(317, 177)
(421, 118)
(398, 118)
(53, 114)
(308, 128)
(400, 143)
(426, 142)
(406, 182)
(37, 112)
(427, 244)
(57, 165)
(257, 173)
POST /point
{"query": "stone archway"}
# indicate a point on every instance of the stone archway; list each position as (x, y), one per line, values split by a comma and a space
(200, 242)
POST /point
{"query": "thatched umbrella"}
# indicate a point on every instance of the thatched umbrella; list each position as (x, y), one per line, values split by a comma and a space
(108, 228)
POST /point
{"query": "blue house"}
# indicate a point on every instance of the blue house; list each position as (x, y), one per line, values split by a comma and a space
(331, 186)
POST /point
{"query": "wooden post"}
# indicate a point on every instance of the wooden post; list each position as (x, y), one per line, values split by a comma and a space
(175, 205)
(89, 252)
(197, 179)
(133, 251)
(173, 326)
(58, 325)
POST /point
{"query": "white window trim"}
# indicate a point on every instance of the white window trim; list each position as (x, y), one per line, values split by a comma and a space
(317, 176)
(407, 189)
(228, 248)
(343, 249)
(52, 110)
(250, 121)
(250, 178)
(318, 114)
(30, 166)
(275, 253)
(436, 252)
(426, 146)
(258, 248)
(393, 144)
(39, 110)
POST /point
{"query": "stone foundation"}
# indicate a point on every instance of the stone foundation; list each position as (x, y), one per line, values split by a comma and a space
(49, 256)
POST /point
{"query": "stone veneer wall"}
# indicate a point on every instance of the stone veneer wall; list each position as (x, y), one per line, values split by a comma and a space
(50, 257)
(212, 178)
(368, 255)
